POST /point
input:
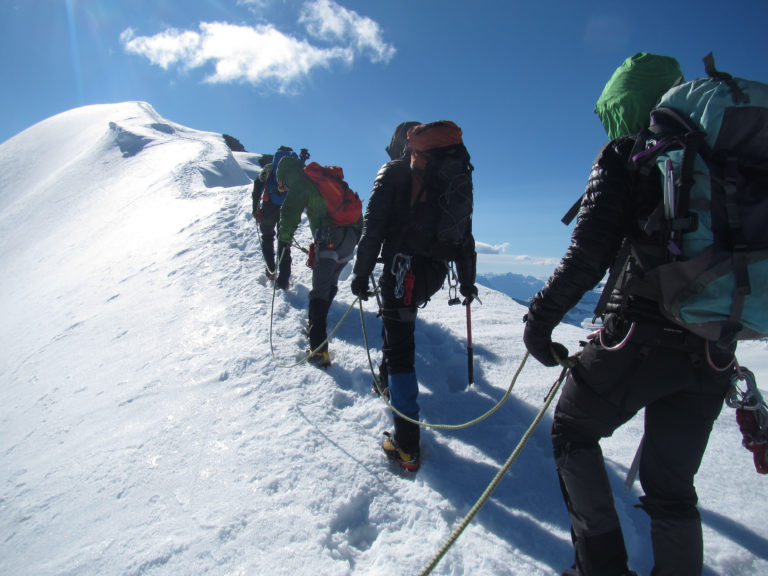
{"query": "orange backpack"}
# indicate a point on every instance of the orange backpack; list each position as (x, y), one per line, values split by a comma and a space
(344, 205)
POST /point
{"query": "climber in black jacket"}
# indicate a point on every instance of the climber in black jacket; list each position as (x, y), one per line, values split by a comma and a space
(661, 367)
(386, 215)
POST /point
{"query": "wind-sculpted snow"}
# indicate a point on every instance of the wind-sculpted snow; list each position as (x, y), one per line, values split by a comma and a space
(153, 420)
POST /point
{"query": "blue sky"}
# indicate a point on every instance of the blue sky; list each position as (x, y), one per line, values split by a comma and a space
(520, 78)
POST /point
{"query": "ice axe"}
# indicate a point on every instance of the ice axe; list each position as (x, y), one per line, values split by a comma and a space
(470, 359)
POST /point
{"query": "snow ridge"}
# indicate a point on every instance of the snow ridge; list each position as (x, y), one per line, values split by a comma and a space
(147, 426)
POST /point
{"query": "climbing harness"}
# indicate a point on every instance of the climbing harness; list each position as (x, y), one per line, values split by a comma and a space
(567, 364)
(383, 396)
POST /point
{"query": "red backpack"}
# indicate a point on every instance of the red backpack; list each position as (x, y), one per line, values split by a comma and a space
(344, 206)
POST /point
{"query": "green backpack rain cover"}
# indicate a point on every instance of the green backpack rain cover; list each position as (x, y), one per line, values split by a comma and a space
(633, 90)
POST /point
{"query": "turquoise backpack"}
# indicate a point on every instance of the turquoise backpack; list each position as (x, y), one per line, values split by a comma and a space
(709, 140)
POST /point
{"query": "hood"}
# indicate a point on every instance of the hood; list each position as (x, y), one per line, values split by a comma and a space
(290, 170)
(399, 142)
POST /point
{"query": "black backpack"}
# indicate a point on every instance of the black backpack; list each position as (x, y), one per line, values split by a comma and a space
(441, 203)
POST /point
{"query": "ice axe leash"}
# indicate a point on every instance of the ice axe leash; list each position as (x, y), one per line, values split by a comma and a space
(566, 364)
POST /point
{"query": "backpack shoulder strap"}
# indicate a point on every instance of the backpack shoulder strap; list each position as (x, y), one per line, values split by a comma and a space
(617, 269)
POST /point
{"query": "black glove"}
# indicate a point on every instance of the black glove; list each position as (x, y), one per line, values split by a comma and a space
(469, 293)
(538, 341)
(360, 286)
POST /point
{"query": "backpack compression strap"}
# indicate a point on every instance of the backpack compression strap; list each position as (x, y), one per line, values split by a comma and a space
(737, 93)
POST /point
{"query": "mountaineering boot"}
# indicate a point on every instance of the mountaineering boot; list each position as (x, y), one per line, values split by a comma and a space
(318, 312)
(321, 359)
(410, 460)
(403, 445)
(284, 272)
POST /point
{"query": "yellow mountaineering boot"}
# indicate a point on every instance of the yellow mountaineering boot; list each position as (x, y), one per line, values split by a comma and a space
(320, 358)
(410, 460)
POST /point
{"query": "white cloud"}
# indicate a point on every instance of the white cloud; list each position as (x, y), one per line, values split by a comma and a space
(164, 49)
(327, 20)
(257, 55)
(483, 248)
(262, 55)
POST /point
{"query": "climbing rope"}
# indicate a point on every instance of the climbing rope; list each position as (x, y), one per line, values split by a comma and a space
(299, 246)
(310, 352)
(567, 364)
(477, 420)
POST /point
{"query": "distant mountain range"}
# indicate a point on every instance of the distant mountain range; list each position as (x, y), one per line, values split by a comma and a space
(522, 288)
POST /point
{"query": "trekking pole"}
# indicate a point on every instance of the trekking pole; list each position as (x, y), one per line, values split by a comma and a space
(470, 359)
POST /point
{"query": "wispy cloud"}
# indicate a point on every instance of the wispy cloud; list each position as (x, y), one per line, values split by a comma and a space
(327, 20)
(483, 248)
(262, 55)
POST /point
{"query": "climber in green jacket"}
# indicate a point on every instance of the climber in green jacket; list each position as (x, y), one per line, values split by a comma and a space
(333, 247)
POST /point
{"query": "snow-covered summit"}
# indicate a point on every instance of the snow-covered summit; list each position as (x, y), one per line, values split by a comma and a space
(153, 420)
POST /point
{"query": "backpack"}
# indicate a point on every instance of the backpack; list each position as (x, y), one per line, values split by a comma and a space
(708, 139)
(271, 192)
(441, 202)
(344, 205)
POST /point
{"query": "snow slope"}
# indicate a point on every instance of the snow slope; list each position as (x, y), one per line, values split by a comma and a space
(152, 420)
